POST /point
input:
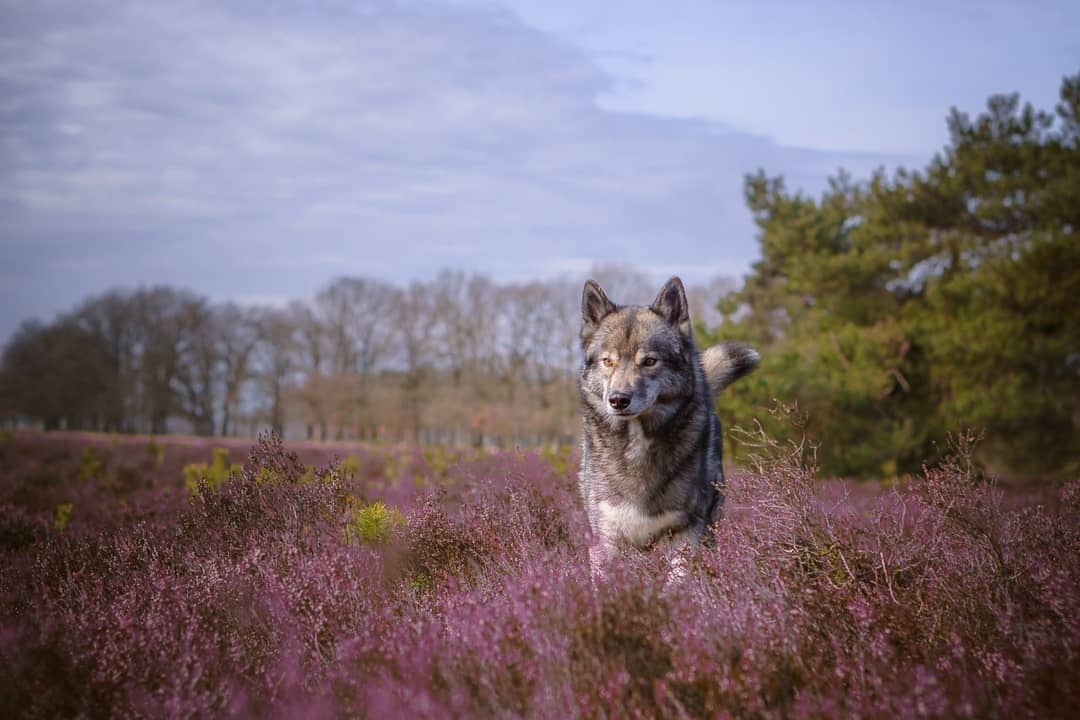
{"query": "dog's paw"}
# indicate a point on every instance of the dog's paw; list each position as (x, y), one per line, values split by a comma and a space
(677, 573)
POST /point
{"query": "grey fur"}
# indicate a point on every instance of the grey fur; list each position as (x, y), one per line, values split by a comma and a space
(651, 468)
(725, 363)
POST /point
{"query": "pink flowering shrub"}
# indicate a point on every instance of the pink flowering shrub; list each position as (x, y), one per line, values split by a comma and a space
(945, 596)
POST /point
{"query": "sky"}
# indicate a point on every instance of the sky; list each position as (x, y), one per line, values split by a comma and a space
(254, 149)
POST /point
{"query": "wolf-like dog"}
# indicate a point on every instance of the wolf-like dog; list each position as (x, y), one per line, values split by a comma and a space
(651, 464)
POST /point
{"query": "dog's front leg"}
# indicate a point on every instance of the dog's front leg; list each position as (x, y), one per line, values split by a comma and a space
(678, 552)
(600, 554)
(597, 560)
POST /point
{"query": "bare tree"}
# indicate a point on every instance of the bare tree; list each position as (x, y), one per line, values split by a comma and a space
(236, 333)
(415, 321)
(624, 283)
(703, 298)
(312, 345)
(355, 313)
(521, 310)
(164, 320)
(467, 309)
(532, 341)
(196, 377)
(457, 359)
(110, 319)
(276, 357)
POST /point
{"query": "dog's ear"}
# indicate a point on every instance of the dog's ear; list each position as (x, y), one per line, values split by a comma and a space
(595, 306)
(671, 305)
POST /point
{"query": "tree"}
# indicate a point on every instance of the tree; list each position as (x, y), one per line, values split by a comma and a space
(276, 357)
(110, 319)
(198, 362)
(355, 313)
(466, 307)
(54, 373)
(237, 332)
(415, 319)
(897, 310)
(312, 344)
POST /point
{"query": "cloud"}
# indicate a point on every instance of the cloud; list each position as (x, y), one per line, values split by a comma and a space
(260, 148)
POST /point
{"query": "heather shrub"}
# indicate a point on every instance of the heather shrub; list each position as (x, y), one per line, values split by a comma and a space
(457, 585)
(19, 528)
(350, 465)
(441, 548)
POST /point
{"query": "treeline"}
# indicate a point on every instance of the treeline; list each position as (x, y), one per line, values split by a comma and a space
(897, 310)
(459, 359)
(891, 311)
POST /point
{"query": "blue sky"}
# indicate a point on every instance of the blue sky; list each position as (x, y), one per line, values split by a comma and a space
(255, 149)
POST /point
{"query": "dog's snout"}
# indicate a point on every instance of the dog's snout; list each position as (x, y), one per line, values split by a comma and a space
(619, 401)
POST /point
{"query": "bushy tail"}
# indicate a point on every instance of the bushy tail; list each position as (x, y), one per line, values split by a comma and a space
(725, 363)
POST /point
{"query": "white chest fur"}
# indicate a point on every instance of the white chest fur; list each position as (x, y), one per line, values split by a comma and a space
(638, 447)
(635, 527)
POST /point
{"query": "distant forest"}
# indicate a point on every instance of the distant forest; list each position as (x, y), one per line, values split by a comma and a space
(459, 360)
(891, 311)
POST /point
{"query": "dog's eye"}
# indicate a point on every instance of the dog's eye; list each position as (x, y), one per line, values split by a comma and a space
(608, 362)
(649, 361)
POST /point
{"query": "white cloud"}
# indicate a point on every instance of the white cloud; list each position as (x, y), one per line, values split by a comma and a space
(262, 148)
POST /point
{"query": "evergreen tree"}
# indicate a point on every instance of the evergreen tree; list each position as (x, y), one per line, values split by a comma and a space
(899, 309)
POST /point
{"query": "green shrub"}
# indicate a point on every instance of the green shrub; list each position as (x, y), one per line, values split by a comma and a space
(350, 466)
(63, 516)
(372, 524)
(558, 458)
(155, 452)
(89, 465)
(215, 474)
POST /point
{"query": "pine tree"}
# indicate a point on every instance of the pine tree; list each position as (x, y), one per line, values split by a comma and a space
(896, 310)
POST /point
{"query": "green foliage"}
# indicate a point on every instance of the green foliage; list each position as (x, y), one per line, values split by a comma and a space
(371, 524)
(90, 466)
(270, 476)
(394, 466)
(155, 452)
(438, 458)
(897, 309)
(421, 583)
(62, 517)
(350, 466)
(267, 476)
(400, 466)
(216, 474)
(558, 458)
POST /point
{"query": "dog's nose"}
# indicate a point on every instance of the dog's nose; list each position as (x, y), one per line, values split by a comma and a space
(619, 401)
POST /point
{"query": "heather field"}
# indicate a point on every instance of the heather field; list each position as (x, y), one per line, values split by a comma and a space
(188, 578)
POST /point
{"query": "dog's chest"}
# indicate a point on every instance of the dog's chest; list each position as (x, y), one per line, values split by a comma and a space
(637, 442)
(626, 522)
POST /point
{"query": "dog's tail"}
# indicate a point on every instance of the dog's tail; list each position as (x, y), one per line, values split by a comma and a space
(725, 363)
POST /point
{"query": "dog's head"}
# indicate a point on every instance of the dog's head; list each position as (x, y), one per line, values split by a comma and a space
(638, 360)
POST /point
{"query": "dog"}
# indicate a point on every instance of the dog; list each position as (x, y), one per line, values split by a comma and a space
(651, 467)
